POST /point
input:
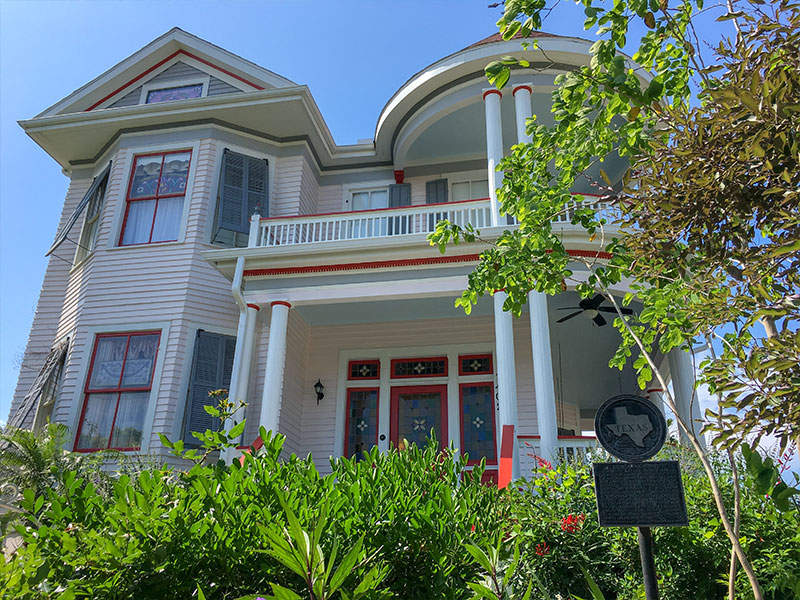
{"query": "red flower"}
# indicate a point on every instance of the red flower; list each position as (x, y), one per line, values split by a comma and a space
(472, 529)
(543, 464)
(572, 523)
(542, 549)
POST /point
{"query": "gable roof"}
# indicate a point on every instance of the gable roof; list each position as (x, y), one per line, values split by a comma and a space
(134, 70)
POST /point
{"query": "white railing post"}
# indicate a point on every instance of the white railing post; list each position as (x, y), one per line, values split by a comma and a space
(255, 228)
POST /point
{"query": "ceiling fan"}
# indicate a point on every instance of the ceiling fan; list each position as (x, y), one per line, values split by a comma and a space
(592, 306)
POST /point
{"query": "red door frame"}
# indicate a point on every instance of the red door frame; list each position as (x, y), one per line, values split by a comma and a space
(417, 389)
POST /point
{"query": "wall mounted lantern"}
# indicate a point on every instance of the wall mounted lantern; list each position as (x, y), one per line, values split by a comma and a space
(318, 387)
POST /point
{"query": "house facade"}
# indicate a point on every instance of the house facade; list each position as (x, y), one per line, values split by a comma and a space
(215, 236)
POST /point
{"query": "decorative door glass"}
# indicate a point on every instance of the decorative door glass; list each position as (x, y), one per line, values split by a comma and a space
(416, 411)
(362, 421)
(477, 422)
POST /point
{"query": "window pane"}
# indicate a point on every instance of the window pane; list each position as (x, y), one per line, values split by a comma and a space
(379, 199)
(139, 363)
(360, 201)
(130, 420)
(362, 406)
(176, 169)
(417, 414)
(183, 92)
(108, 362)
(139, 222)
(480, 189)
(145, 176)
(168, 220)
(97, 419)
(477, 422)
(461, 191)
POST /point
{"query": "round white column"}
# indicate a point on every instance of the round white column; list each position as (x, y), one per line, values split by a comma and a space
(681, 369)
(234, 389)
(543, 384)
(273, 374)
(522, 109)
(247, 350)
(506, 376)
(494, 148)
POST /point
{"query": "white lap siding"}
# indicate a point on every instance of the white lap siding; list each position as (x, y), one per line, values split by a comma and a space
(49, 306)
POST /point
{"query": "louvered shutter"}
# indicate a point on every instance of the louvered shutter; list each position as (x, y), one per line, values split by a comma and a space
(399, 195)
(212, 365)
(436, 191)
(244, 184)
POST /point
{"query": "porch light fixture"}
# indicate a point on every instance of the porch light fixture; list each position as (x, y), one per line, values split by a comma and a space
(318, 387)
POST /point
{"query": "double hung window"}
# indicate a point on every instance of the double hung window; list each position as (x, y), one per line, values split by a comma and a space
(156, 193)
(370, 199)
(471, 190)
(91, 221)
(117, 391)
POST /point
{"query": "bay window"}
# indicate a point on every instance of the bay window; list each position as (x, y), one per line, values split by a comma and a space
(154, 202)
(117, 391)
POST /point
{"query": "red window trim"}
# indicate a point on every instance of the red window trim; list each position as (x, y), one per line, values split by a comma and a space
(461, 387)
(463, 357)
(118, 390)
(363, 362)
(417, 389)
(347, 413)
(156, 197)
(412, 359)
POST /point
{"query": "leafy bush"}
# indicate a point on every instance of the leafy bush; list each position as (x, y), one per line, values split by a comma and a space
(405, 524)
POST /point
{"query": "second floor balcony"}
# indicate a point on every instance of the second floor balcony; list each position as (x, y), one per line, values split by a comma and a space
(416, 221)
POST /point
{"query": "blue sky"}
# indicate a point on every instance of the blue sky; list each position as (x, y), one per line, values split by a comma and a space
(353, 54)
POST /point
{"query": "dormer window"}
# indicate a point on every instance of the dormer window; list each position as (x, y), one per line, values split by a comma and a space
(174, 89)
(183, 92)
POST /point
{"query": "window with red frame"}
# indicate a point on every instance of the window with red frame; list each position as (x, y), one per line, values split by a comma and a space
(155, 198)
(117, 390)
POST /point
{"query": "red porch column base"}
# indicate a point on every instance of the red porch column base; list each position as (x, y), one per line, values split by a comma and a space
(506, 457)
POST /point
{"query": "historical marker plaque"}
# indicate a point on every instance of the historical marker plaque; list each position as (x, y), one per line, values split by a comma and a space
(630, 427)
(647, 494)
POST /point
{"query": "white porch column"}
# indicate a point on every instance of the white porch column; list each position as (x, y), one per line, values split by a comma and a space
(273, 374)
(506, 375)
(543, 384)
(544, 387)
(240, 371)
(522, 108)
(494, 148)
(681, 369)
(243, 381)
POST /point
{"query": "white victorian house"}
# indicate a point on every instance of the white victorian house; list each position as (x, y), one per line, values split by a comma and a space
(161, 287)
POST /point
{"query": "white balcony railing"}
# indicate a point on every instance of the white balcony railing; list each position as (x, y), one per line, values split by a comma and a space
(379, 223)
(570, 448)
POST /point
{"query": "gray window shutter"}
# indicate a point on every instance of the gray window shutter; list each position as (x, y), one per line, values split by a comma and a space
(212, 365)
(244, 184)
(436, 191)
(399, 195)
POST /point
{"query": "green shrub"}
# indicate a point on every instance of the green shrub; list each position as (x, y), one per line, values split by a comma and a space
(410, 515)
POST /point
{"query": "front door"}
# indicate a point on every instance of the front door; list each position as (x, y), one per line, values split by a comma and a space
(415, 411)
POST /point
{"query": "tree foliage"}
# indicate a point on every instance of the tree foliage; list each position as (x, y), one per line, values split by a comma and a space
(707, 226)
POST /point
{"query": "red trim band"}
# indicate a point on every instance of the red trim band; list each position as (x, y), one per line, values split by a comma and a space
(408, 262)
(282, 303)
(158, 64)
(388, 264)
(522, 87)
(256, 306)
(486, 93)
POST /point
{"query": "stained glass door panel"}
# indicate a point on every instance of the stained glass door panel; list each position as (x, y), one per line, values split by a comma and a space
(361, 425)
(416, 411)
